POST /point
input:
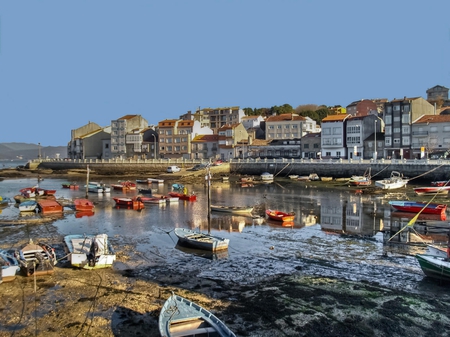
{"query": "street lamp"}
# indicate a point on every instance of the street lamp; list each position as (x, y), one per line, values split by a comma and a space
(154, 146)
(39, 144)
(375, 148)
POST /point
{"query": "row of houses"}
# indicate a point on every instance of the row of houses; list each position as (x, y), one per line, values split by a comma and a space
(378, 128)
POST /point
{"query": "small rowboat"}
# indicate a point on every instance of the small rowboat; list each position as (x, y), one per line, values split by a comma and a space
(181, 317)
(416, 207)
(432, 190)
(83, 204)
(280, 216)
(129, 203)
(181, 196)
(28, 206)
(231, 209)
(201, 241)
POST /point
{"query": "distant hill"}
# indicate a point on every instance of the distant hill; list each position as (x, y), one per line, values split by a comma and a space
(27, 151)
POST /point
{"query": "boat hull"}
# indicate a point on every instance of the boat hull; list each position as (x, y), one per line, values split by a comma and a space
(432, 190)
(416, 207)
(231, 209)
(83, 205)
(36, 259)
(9, 266)
(181, 196)
(201, 241)
(280, 216)
(434, 266)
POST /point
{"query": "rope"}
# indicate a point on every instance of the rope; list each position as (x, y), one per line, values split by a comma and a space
(282, 169)
(420, 175)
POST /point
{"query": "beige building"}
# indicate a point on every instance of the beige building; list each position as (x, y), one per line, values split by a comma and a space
(86, 141)
(287, 126)
(233, 142)
(205, 147)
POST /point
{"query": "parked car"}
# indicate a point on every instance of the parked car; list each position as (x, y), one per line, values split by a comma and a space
(198, 167)
(173, 169)
(218, 162)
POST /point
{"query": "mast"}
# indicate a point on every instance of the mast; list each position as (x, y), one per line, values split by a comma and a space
(87, 181)
(208, 178)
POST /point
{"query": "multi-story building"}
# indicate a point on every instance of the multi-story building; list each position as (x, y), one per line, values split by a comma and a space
(150, 143)
(250, 122)
(126, 137)
(310, 145)
(229, 138)
(205, 147)
(200, 116)
(438, 95)
(399, 115)
(288, 126)
(86, 141)
(358, 129)
(176, 135)
(431, 136)
(362, 107)
(215, 118)
(334, 136)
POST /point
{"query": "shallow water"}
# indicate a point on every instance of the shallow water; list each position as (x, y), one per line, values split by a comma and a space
(336, 232)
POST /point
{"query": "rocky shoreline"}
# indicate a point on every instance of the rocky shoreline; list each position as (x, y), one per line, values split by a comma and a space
(127, 302)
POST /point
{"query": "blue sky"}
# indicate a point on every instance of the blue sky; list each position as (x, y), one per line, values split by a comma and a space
(65, 63)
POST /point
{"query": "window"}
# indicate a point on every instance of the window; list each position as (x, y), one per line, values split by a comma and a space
(405, 118)
(446, 128)
(387, 141)
(433, 129)
(328, 154)
(306, 146)
(271, 127)
(388, 119)
(326, 131)
(396, 130)
(388, 130)
(388, 109)
(316, 146)
(406, 108)
(287, 126)
(396, 141)
(338, 154)
(169, 148)
(337, 131)
(396, 107)
(405, 129)
(405, 140)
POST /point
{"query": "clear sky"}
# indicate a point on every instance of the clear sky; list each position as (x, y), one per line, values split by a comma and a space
(65, 63)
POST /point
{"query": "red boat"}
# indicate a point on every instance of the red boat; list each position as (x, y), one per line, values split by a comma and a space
(422, 216)
(48, 206)
(124, 186)
(72, 186)
(280, 216)
(416, 207)
(440, 183)
(80, 214)
(182, 196)
(83, 205)
(432, 190)
(49, 192)
(129, 203)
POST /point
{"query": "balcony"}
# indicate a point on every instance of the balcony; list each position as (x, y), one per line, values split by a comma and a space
(420, 133)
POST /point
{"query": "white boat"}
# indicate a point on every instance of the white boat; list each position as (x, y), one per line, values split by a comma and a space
(437, 251)
(9, 266)
(89, 251)
(28, 206)
(36, 259)
(180, 317)
(395, 181)
(98, 187)
(293, 176)
(155, 181)
(200, 240)
(266, 176)
(94, 188)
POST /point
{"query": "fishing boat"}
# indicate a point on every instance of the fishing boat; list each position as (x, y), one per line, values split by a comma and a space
(89, 251)
(155, 181)
(246, 180)
(28, 206)
(124, 186)
(198, 240)
(48, 206)
(9, 266)
(36, 259)
(395, 181)
(280, 216)
(181, 317)
(231, 209)
(326, 179)
(182, 196)
(82, 204)
(432, 190)
(416, 207)
(129, 203)
(364, 180)
(266, 176)
(436, 250)
(435, 266)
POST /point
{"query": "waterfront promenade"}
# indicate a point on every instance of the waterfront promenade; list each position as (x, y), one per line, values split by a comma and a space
(337, 168)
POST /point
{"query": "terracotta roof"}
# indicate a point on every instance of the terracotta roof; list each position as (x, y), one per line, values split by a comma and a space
(335, 118)
(167, 123)
(128, 117)
(205, 138)
(285, 117)
(433, 119)
(185, 123)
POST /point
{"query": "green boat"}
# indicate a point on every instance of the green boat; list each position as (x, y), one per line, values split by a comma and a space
(435, 266)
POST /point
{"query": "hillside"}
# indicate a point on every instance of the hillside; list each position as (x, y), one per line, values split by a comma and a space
(28, 151)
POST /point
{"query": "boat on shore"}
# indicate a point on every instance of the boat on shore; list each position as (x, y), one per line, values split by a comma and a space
(9, 266)
(280, 216)
(72, 186)
(181, 317)
(434, 266)
(232, 209)
(28, 206)
(395, 181)
(432, 190)
(48, 206)
(36, 259)
(89, 251)
(266, 176)
(416, 207)
(364, 180)
(201, 241)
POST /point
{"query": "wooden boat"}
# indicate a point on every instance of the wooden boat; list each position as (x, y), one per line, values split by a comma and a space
(232, 209)
(72, 186)
(5, 201)
(124, 186)
(416, 207)
(146, 191)
(303, 178)
(435, 266)
(182, 196)
(314, 177)
(130, 203)
(436, 251)
(155, 181)
(246, 180)
(9, 266)
(326, 178)
(89, 251)
(83, 204)
(36, 259)
(432, 190)
(364, 180)
(152, 200)
(28, 206)
(266, 176)
(293, 176)
(395, 181)
(280, 216)
(47, 206)
(94, 188)
(181, 317)
(200, 240)
(167, 198)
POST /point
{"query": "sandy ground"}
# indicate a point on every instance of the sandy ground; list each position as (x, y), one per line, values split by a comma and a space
(114, 302)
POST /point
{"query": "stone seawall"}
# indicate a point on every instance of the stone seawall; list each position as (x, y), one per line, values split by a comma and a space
(425, 170)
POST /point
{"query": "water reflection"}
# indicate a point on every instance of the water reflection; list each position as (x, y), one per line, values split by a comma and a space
(202, 253)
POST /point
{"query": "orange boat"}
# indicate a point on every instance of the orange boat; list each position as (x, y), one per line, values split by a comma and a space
(124, 186)
(181, 196)
(280, 216)
(129, 203)
(83, 205)
(48, 206)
